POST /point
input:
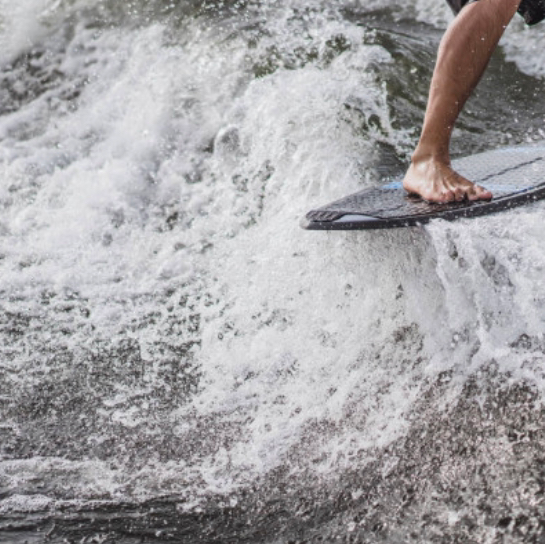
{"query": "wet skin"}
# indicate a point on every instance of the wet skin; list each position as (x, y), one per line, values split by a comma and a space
(463, 55)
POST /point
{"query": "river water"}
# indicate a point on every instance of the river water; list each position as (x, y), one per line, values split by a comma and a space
(181, 362)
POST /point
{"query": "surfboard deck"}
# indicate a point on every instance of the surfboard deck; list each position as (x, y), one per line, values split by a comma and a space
(515, 175)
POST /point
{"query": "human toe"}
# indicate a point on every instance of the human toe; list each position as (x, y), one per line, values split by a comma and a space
(448, 196)
(459, 194)
(479, 193)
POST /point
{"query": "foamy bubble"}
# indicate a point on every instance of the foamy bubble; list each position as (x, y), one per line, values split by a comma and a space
(22, 25)
(25, 503)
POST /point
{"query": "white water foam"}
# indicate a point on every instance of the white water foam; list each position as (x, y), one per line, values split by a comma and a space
(24, 24)
(312, 348)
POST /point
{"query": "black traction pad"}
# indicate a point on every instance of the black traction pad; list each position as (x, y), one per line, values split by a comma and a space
(515, 175)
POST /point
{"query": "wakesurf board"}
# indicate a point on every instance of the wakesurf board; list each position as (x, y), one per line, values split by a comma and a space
(514, 175)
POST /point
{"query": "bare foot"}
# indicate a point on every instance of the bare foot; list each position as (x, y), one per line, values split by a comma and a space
(436, 181)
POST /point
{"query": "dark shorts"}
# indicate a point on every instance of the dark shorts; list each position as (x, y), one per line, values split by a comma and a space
(533, 11)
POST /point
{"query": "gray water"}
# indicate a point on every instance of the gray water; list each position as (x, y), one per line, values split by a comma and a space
(180, 361)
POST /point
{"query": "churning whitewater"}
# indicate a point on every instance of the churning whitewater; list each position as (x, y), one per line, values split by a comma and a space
(179, 361)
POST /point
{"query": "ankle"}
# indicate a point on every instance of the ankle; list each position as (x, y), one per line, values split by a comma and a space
(422, 156)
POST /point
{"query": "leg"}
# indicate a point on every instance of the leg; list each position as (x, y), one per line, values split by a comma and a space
(463, 56)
